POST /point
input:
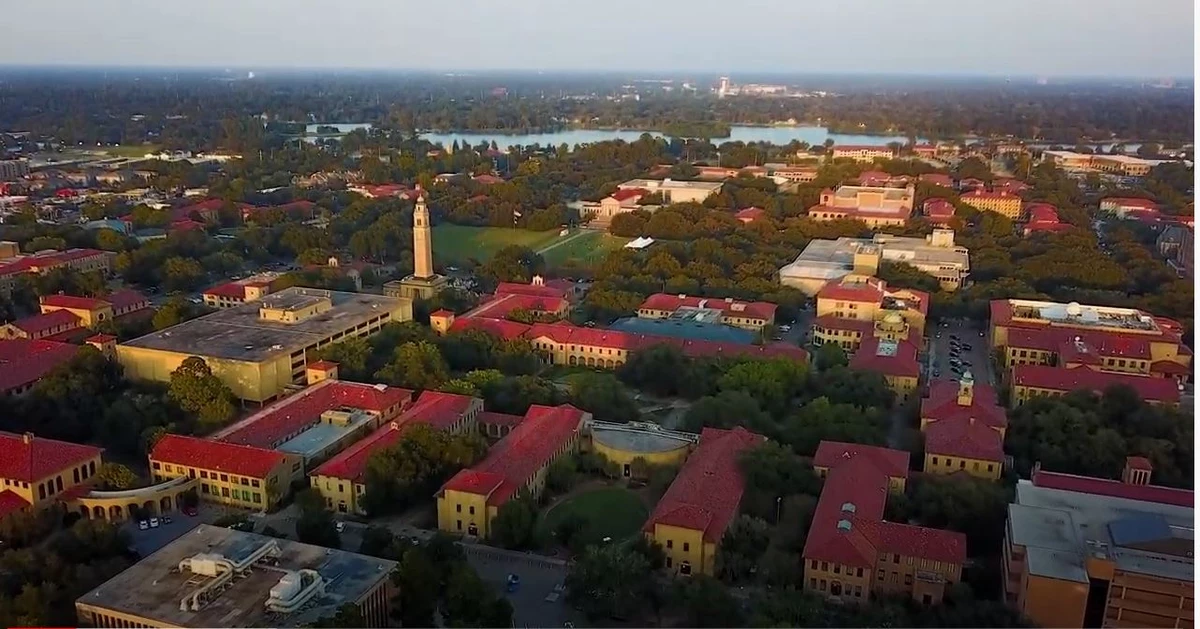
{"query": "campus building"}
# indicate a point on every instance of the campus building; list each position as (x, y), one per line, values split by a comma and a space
(692, 516)
(854, 305)
(1003, 203)
(823, 261)
(320, 420)
(1118, 165)
(1051, 347)
(852, 552)
(42, 262)
(1122, 206)
(260, 349)
(963, 426)
(619, 202)
(238, 292)
(753, 316)
(862, 153)
(515, 466)
(675, 191)
(342, 479)
(37, 472)
(635, 447)
(877, 206)
(240, 476)
(214, 576)
(1092, 552)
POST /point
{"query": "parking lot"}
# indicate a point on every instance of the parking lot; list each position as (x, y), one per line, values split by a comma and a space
(957, 347)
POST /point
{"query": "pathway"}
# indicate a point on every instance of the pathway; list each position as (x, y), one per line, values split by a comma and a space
(563, 241)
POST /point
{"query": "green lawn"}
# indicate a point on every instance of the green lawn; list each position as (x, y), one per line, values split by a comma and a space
(590, 248)
(612, 512)
(457, 243)
(132, 150)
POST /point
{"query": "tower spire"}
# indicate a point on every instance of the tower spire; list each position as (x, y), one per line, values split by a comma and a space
(422, 239)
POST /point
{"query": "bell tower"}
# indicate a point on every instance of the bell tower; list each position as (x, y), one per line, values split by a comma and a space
(422, 240)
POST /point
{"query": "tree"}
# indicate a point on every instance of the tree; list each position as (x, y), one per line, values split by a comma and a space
(514, 524)
(182, 274)
(741, 547)
(415, 366)
(415, 466)
(905, 275)
(604, 396)
(194, 387)
(829, 355)
(560, 476)
(608, 580)
(114, 476)
(708, 603)
(974, 506)
(315, 524)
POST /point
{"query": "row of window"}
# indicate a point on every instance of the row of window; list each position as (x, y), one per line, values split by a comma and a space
(671, 544)
(837, 568)
(224, 478)
(244, 495)
(835, 588)
(962, 464)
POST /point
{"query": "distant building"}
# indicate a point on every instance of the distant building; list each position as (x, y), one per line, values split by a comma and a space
(795, 174)
(938, 211)
(852, 552)
(675, 191)
(618, 202)
(239, 476)
(1002, 203)
(823, 261)
(1120, 165)
(752, 316)
(26, 361)
(1043, 217)
(1176, 244)
(861, 153)
(1121, 206)
(214, 576)
(691, 518)
(937, 179)
(750, 214)
(42, 262)
(238, 292)
(13, 169)
(1092, 552)
(875, 206)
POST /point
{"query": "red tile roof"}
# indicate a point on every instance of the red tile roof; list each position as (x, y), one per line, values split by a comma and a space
(44, 260)
(11, 503)
(938, 209)
(501, 306)
(1138, 463)
(1168, 367)
(1062, 341)
(441, 313)
(706, 493)
(292, 415)
(830, 322)
(1113, 488)
(71, 301)
(831, 454)
(221, 456)
(536, 290)
(35, 325)
(870, 291)
(439, 409)
(126, 298)
(501, 328)
(351, 464)
(487, 180)
(234, 290)
(29, 458)
(321, 365)
(518, 456)
(964, 437)
(629, 194)
(872, 355)
(23, 361)
(942, 404)
(750, 214)
(848, 527)
(729, 307)
(1149, 388)
(100, 338)
(184, 225)
(490, 418)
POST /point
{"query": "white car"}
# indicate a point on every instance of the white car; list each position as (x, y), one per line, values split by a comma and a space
(153, 523)
(143, 525)
(340, 526)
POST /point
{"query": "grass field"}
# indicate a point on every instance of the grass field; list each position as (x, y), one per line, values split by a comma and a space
(589, 248)
(609, 512)
(458, 243)
(132, 150)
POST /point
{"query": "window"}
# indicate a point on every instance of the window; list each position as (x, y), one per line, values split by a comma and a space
(812, 583)
(458, 524)
(934, 459)
(989, 467)
(823, 584)
(685, 546)
(471, 510)
(670, 543)
(908, 579)
(41, 491)
(860, 572)
(881, 573)
(458, 508)
(257, 498)
(225, 492)
(814, 564)
(203, 474)
(837, 568)
(156, 465)
(895, 558)
(76, 470)
(962, 465)
(858, 591)
(825, 566)
(246, 482)
(204, 488)
(224, 478)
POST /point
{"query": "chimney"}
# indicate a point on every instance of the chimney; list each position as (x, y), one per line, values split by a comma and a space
(966, 389)
(1137, 471)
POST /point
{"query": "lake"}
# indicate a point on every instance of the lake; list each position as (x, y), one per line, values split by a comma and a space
(775, 135)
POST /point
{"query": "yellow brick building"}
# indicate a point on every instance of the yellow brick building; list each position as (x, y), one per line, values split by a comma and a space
(259, 349)
(36, 472)
(1003, 203)
(235, 475)
(963, 426)
(627, 446)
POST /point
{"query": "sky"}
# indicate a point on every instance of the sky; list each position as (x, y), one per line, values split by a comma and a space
(1128, 38)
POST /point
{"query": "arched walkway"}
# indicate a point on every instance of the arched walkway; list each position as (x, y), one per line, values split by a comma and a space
(117, 506)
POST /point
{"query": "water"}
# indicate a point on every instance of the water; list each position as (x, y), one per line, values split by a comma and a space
(774, 135)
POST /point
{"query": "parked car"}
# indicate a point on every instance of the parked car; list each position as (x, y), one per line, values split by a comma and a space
(513, 583)
(190, 511)
(340, 526)
(143, 525)
(153, 523)
(166, 519)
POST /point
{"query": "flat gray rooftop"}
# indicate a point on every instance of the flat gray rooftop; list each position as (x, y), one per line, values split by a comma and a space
(632, 438)
(239, 334)
(154, 587)
(1060, 529)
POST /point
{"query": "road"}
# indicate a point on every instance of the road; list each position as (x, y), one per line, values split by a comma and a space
(976, 359)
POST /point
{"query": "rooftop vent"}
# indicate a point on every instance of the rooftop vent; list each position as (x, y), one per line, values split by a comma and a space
(848, 507)
(844, 526)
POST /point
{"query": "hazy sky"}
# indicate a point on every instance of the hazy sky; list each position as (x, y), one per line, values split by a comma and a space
(1151, 38)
